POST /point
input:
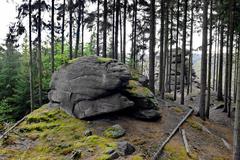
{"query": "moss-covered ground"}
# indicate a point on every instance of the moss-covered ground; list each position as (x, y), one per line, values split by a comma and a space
(50, 134)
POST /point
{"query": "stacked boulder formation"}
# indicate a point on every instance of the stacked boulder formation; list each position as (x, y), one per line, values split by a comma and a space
(92, 86)
(176, 59)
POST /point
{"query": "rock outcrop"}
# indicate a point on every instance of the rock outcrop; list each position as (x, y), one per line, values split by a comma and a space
(91, 86)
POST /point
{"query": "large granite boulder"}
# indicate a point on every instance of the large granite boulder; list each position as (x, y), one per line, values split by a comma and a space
(91, 86)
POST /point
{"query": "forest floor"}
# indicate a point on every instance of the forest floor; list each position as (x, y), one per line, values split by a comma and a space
(208, 140)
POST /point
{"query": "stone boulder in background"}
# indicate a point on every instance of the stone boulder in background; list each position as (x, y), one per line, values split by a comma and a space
(91, 86)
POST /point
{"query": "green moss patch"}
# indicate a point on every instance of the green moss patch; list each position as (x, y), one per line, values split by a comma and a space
(103, 60)
(136, 157)
(52, 134)
(192, 122)
(136, 90)
(178, 152)
(115, 131)
(73, 60)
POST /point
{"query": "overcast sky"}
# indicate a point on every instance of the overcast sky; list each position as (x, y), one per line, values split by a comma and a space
(8, 13)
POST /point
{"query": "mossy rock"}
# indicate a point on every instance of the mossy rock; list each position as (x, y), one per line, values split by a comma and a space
(54, 135)
(115, 131)
(142, 96)
(103, 60)
(134, 88)
(73, 60)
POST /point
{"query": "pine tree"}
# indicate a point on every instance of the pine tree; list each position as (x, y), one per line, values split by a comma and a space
(204, 61)
(152, 47)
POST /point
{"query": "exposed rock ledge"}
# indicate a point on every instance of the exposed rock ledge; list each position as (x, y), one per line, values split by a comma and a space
(91, 86)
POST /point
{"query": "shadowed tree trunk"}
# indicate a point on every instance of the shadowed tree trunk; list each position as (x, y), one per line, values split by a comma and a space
(220, 72)
(78, 30)
(83, 6)
(152, 47)
(116, 31)
(70, 28)
(105, 29)
(182, 78)
(31, 57)
(236, 69)
(39, 62)
(204, 61)
(231, 34)
(209, 61)
(171, 54)
(236, 139)
(189, 89)
(63, 27)
(98, 23)
(226, 73)
(124, 30)
(135, 35)
(113, 29)
(161, 69)
(52, 38)
(215, 57)
(166, 51)
(176, 52)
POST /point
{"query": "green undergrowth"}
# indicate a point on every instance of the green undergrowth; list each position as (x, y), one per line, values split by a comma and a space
(51, 134)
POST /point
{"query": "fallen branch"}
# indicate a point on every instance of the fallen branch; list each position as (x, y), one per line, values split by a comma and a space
(14, 126)
(159, 151)
(227, 145)
(185, 142)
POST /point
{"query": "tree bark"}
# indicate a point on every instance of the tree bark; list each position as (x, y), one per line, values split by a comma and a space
(215, 57)
(182, 78)
(52, 38)
(189, 89)
(78, 30)
(31, 57)
(176, 52)
(83, 6)
(231, 34)
(226, 73)
(98, 24)
(63, 27)
(209, 61)
(236, 139)
(204, 61)
(124, 30)
(116, 31)
(70, 28)
(166, 51)
(105, 29)
(113, 29)
(171, 53)
(236, 69)
(39, 53)
(161, 69)
(135, 36)
(152, 47)
(220, 72)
